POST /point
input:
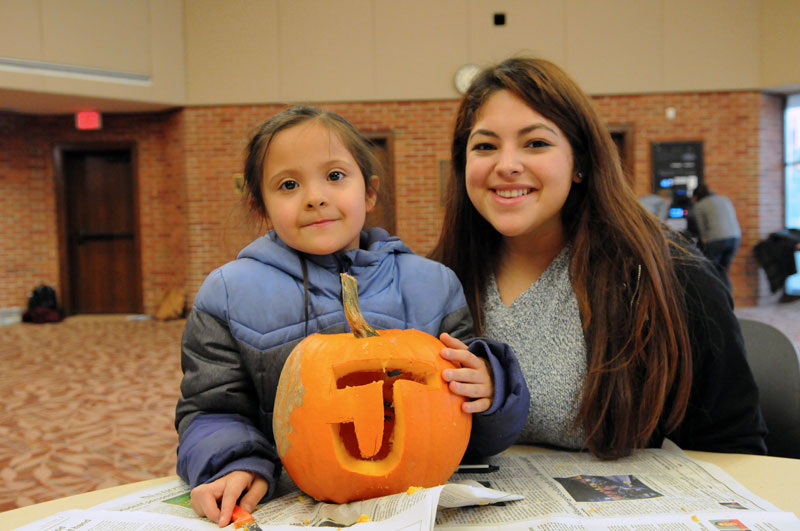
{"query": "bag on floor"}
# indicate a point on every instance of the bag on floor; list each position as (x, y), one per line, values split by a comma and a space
(43, 306)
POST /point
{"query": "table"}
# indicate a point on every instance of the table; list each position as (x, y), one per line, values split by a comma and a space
(771, 478)
(30, 513)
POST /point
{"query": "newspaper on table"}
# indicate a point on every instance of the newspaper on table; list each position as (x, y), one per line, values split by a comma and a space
(166, 506)
(656, 489)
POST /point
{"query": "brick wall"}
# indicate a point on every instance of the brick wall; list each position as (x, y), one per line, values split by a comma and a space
(191, 219)
(742, 136)
(28, 250)
(217, 136)
(28, 224)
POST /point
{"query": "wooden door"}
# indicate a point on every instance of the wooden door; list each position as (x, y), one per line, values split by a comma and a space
(622, 135)
(100, 218)
(383, 215)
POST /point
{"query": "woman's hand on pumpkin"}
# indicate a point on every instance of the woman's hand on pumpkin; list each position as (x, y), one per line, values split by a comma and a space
(473, 380)
(216, 500)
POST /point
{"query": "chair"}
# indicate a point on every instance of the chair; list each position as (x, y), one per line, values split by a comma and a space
(775, 363)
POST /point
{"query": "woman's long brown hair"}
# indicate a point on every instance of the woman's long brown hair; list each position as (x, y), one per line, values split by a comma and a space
(631, 305)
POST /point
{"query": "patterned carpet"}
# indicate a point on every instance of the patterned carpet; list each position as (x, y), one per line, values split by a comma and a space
(89, 402)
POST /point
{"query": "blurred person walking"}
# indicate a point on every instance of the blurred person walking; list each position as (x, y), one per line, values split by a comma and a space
(719, 229)
(656, 204)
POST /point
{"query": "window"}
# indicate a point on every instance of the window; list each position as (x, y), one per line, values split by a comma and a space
(792, 179)
(792, 161)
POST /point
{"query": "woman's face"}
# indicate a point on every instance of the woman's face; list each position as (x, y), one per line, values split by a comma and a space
(519, 169)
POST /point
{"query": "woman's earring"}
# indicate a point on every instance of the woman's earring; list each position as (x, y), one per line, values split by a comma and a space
(578, 177)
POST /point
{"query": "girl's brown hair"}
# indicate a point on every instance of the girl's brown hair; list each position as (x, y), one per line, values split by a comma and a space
(630, 302)
(256, 151)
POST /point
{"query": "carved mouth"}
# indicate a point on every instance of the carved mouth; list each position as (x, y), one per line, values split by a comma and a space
(347, 430)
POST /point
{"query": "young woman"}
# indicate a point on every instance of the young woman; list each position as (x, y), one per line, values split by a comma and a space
(624, 333)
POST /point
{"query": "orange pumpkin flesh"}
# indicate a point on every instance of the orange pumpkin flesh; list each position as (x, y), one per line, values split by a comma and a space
(360, 417)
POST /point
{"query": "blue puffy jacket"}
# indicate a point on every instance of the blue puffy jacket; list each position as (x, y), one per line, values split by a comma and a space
(250, 313)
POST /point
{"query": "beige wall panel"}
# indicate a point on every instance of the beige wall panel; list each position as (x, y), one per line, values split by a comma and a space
(326, 50)
(419, 46)
(615, 46)
(780, 42)
(259, 51)
(160, 42)
(111, 34)
(20, 29)
(231, 51)
(168, 64)
(533, 27)
(20, 38)
(711, 44)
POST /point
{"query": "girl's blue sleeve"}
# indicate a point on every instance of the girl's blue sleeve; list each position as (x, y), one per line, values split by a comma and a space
(498, 427)
(217, 413)
(217, 444)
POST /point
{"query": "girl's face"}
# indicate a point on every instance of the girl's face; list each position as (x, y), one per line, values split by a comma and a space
(519, 169)
(314, 191)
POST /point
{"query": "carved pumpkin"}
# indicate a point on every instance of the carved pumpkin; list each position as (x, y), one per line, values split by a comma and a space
(367, 414)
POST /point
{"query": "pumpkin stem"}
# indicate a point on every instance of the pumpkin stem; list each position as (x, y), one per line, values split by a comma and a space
(352, 311)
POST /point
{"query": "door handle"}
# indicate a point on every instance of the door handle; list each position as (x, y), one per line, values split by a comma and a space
(84, 236)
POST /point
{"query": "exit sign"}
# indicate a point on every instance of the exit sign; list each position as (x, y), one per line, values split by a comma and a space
(88, 120)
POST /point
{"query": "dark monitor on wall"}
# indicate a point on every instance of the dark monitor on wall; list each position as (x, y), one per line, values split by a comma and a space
(677, 164)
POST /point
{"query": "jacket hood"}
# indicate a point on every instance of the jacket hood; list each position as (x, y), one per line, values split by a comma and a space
(374, 245)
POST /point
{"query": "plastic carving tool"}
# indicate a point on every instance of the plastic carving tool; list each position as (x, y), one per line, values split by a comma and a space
(243, 520)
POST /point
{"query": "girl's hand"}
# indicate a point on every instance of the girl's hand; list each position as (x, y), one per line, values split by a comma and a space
(216, 500)
(473, 380)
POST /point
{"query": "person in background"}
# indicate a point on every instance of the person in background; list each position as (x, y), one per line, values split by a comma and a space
(312, 178)
(625, 333)
(656, 205)
(718, 228)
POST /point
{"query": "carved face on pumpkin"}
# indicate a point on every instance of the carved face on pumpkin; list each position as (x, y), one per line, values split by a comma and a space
(357, 418)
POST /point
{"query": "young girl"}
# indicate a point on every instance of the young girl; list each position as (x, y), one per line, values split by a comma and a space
(624, 333)
(312, 177)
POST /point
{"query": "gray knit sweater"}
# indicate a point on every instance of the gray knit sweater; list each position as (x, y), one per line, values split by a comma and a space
(543, 326)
